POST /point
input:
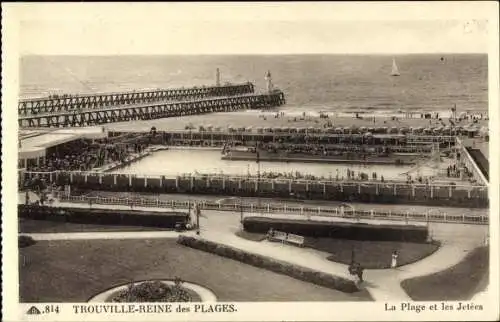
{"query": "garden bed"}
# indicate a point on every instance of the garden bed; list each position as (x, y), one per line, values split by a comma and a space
(338, 229)
(457, 283)
(102, 216)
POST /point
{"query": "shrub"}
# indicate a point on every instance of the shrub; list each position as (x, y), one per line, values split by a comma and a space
(102, 216)
(25, 241)
(295, 271)
(340, 230)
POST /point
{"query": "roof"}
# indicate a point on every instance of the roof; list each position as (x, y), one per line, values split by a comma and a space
(34, 145)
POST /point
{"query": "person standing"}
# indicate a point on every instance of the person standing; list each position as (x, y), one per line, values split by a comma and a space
(394, 260)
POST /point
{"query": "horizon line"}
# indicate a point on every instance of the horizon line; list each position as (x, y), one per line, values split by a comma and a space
(261, 54)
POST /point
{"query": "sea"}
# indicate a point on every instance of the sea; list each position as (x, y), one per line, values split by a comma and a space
(428, 82)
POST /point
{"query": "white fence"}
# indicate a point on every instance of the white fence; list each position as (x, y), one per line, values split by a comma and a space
(283, 209)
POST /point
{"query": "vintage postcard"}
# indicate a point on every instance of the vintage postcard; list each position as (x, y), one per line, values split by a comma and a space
(250, 161)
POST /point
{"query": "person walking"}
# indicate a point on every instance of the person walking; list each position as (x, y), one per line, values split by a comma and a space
(394, 260)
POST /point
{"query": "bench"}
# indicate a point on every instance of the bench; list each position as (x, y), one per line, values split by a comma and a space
(276, 235)
(295, 239)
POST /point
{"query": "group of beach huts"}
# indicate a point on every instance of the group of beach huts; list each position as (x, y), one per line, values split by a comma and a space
(470, 130)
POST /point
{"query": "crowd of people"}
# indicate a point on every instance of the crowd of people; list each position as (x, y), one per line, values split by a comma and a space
(324, 150)
(83, 155)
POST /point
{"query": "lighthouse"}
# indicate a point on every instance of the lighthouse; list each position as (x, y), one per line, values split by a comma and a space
(269, 82)
(217, 77)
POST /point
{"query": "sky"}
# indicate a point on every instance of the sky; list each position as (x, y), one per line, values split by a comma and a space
(252, 28)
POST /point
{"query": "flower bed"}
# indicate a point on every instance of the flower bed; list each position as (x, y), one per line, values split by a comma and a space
(154, 291)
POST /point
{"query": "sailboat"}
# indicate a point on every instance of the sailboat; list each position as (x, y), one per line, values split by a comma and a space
(395, 70)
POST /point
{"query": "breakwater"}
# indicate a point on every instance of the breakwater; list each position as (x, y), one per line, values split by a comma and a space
(348, 191)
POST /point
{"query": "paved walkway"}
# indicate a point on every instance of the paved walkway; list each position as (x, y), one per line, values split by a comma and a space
(383, 285)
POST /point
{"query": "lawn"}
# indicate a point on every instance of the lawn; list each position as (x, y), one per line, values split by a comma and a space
(74, 271)
(371, 254)
(458, 283)
(47, 226)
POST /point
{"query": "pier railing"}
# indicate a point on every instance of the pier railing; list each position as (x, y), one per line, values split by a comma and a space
(282, 208)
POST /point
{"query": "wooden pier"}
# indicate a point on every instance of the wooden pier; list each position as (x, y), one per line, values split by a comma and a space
(136, 112)
(65, 103)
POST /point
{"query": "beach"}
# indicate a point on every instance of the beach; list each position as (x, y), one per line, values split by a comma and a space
(254, 119)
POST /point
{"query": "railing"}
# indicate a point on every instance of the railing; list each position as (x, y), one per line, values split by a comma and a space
(282, 209)
(472, 161)
(52, 176)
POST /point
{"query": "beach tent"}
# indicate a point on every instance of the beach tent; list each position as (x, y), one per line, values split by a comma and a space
(259, 129)
(249, 129)
(484, 131)
(217, 129)
(362, 129)
(394, 129)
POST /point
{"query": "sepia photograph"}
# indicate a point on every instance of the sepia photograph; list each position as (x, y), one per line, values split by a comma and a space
(175, 158)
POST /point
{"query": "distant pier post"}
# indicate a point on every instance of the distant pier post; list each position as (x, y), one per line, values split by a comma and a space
(217, 77)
